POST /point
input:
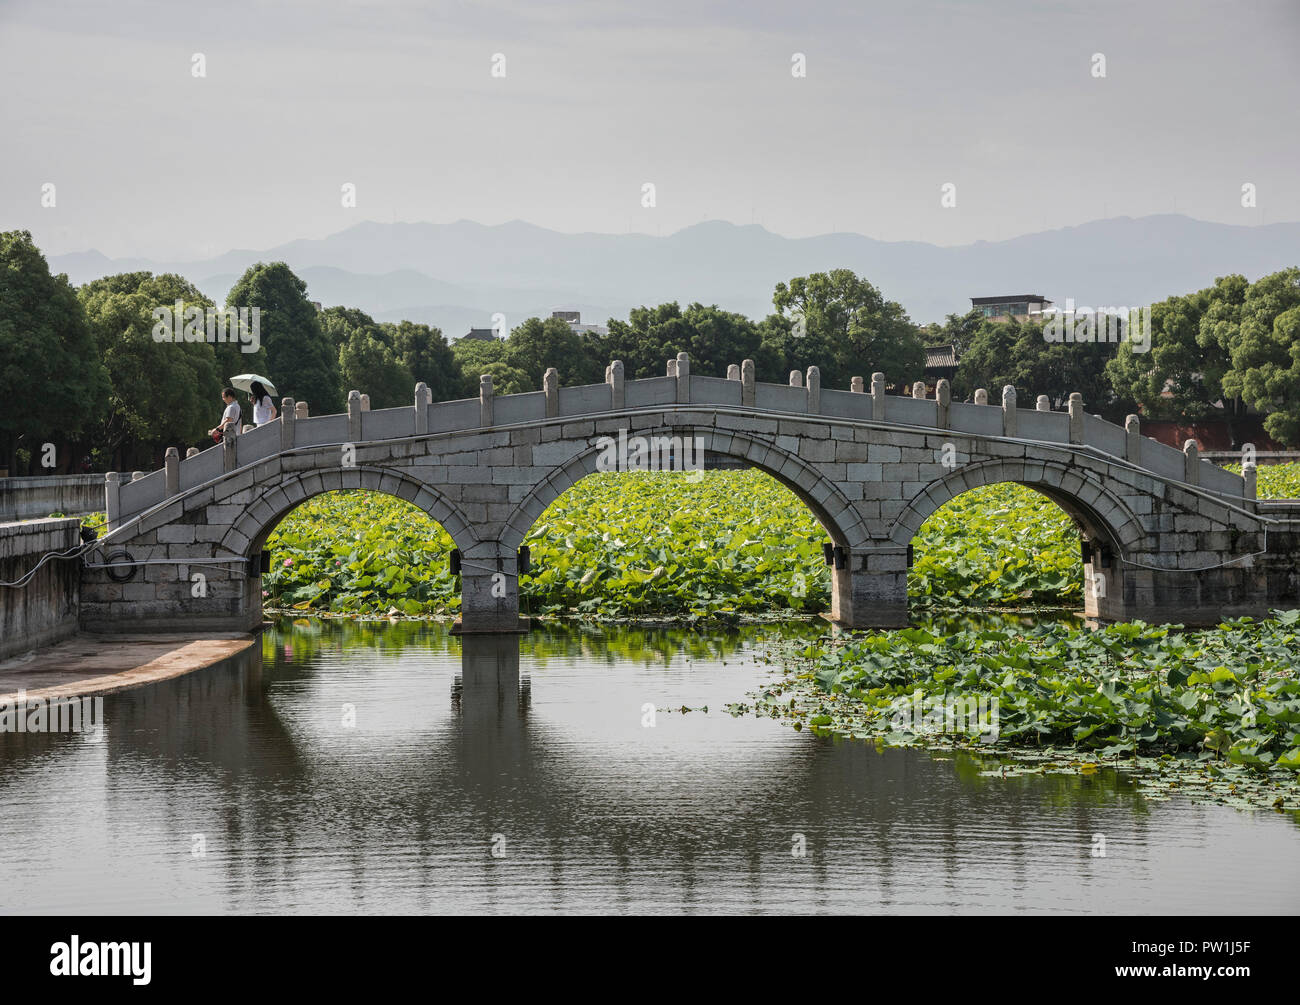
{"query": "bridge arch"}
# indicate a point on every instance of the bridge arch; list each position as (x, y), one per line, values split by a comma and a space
(827, 501)
(249, 532)
(1103, 515)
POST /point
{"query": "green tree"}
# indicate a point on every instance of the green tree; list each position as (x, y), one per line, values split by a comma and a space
(368, 361)
(642, 341)
(1016, 353)
(474, 356)
(958, 330)
(299, 358)
(992, 360)
(505, 379)
(1219, 328)
(338, 323)
(1178, 377)
(842, 324)
(232, 354)
(713, 338)
(425, 354)
(162, 393)
(536, 345)
(1263, 339)
(1216, 353)
(52, 378)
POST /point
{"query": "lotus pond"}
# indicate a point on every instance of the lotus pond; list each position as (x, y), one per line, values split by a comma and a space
(663, 544)
(1213, 714)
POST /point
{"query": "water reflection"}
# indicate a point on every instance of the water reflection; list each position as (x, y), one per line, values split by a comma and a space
(376, 767)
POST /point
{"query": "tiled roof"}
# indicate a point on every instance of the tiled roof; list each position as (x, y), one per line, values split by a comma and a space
(1014, 299)
(940, 355)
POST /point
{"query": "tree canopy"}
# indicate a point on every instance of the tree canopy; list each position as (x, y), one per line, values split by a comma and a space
(1262, 337)
(1016, 353)
(536, 345)
(299, 359)
(842, 324)
(51, 374)
(473, 356)
(423, 351)
(368, 361)
(1177, 377)
(1220, 351)
(713, 338)
(88, 372)
(162, 393)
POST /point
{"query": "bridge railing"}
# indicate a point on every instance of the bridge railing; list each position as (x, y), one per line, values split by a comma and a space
(802, 395)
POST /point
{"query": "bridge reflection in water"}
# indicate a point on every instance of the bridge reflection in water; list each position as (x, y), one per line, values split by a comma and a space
(346, 767)
(491, 699)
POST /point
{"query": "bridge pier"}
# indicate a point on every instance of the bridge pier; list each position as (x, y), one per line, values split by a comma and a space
(489, 594)
(1118, 590)
(870, 591)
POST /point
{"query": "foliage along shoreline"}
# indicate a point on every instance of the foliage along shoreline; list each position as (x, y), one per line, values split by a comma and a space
(1212, 714)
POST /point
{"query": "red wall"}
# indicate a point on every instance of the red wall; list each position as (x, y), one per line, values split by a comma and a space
(1211, 434)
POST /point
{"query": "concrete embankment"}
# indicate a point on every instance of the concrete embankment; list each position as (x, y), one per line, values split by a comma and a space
(45, 609)
(35, 497)
(88, 665)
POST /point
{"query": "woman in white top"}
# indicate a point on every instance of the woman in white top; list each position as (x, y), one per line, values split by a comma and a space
(263, 407)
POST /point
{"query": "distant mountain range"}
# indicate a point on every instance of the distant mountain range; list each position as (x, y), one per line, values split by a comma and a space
(458, 275)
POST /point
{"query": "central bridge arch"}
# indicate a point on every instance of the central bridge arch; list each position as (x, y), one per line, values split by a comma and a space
(827, 501)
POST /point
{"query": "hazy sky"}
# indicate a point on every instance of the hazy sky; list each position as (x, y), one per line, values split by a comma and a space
(397, 97)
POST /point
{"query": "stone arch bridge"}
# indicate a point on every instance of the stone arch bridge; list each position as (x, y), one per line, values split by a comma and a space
(1167, 536)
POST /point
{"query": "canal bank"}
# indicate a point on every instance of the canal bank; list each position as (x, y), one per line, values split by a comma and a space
(88, 664)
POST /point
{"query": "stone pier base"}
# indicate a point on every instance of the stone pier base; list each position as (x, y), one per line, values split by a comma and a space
(489, 595)
(871, 590)
(1120, 591)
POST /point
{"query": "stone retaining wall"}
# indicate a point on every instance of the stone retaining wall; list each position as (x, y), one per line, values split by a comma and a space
(37, 497)
(46, 609)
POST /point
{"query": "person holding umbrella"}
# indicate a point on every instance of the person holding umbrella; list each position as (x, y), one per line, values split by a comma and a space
(263, 407)
(259, 392)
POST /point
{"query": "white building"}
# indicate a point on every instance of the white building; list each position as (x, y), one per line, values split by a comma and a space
(574, 321)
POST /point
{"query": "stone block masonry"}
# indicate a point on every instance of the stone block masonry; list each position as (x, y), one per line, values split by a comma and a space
(46, 609)
(1167, 536)
(36, 497)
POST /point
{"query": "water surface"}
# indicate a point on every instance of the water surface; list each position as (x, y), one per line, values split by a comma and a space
(537, 748)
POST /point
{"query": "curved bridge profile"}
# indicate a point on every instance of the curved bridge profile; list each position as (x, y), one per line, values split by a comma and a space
(1167, 535)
